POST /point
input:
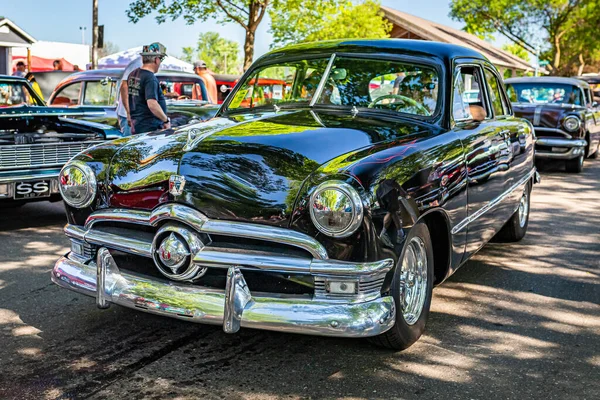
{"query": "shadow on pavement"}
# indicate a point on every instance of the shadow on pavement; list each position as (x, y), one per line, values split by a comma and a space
(520, 320)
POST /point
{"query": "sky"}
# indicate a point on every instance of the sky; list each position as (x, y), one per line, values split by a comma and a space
(33, 17)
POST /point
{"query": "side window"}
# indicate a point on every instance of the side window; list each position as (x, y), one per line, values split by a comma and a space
(496, 98)
(588, 97)
(68, 96)
(99, 93)
(468, 100)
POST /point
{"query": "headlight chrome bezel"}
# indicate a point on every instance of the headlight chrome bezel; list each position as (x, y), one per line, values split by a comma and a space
(357, 208)
(91, 184)
(572, 118)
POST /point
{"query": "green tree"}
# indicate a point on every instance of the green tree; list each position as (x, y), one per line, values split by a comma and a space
(221, 55)
(521, 20)
(246, 13)
(297, 21)
(516, 50)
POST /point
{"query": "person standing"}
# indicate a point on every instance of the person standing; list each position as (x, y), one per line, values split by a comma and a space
(147, 105)
(20, 72)
(123, 113)
(209, 81)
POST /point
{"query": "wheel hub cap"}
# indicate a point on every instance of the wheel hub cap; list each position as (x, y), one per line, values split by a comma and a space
(413, 280)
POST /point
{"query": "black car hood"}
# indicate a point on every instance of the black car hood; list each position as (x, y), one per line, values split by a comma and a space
(246, 167)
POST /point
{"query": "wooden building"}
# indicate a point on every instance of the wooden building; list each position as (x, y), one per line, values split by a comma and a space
(406, 26)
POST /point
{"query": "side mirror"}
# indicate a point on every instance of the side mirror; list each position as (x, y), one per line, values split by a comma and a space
(594, 104)
(105, 81)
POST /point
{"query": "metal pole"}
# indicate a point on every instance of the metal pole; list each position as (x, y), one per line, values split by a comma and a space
(94, 34)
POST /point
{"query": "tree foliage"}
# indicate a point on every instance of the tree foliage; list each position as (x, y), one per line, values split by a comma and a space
(221, 55)
(561, 24)
(297, 21)
(246, 13)
(516, 50)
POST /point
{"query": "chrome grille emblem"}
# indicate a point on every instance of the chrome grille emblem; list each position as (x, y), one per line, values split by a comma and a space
(173, 249)
(173, 252)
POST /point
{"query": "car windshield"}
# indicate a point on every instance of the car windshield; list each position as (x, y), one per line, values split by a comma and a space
(352, 82)
(544, 93)
(16, 94)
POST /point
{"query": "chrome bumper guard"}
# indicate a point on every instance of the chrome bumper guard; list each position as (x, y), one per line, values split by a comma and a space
(575, 148)
(233, 308)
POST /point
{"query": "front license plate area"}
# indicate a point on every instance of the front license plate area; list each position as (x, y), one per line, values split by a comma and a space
(32, 189)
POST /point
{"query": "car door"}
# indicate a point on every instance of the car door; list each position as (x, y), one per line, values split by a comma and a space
(485, 145)
(592, 119)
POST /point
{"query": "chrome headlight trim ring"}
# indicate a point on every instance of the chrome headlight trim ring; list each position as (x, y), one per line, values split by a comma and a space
(91, 184)
(576, 120)
(357, 208)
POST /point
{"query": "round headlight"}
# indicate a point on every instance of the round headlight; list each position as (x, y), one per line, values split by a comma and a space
(77, 184)
(336, 209)
(571, 123)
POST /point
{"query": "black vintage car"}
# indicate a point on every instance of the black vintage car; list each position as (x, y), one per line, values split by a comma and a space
(100, 89)
(331, 207)
(564, 114)
(36, 141)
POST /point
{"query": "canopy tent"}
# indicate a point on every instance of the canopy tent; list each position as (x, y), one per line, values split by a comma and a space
(122, 58)
(39, 64)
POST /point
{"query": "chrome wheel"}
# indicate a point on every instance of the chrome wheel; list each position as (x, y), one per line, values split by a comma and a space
(413, 280)
(524, 208)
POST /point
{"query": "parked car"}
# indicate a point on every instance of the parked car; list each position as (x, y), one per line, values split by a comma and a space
(565, 117)
(594, 81)
(36, 141)
(100, 89)
(320, 210)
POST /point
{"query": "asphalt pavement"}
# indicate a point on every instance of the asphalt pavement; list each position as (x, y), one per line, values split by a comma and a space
(519, 321)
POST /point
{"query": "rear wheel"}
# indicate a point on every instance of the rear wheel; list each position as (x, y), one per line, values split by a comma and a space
(595, 155)
(516, 227)
(575, 165)
(412, 287)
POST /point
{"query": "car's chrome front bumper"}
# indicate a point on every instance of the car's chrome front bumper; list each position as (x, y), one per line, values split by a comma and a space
(232, 308)
(575, 148)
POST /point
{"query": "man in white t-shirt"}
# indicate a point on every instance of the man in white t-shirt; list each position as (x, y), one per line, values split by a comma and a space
(123, 106)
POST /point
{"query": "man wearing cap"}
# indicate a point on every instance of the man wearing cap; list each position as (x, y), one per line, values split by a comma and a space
(210, 83)
(147, 105)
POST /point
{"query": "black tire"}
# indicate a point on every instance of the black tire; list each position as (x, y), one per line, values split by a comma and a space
(403, 334)
(575, 165)
(515, 228)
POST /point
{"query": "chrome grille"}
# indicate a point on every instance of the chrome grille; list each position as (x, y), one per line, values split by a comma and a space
(40, 155)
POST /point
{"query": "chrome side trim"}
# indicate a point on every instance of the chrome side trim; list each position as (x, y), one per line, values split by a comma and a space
(546, 141)
(198, 221)
(493, 203)
(293, 314)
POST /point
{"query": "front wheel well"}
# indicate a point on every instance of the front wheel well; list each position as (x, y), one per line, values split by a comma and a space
(439, 230)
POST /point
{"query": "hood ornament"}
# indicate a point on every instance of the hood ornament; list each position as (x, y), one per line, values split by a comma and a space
(176, 184)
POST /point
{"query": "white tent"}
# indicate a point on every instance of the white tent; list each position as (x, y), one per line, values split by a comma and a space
(122, 58)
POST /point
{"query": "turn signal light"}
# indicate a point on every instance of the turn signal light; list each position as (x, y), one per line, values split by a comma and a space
(342, 287)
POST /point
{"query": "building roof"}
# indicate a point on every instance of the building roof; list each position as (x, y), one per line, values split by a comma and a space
(12, 36)
(433, 31)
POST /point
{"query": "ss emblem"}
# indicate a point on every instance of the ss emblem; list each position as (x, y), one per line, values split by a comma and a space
(25, 188)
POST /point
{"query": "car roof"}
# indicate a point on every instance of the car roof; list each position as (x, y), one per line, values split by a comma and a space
(118, 72)
(548, 79)
(12, 78)
(589, 78)
(423, 48)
